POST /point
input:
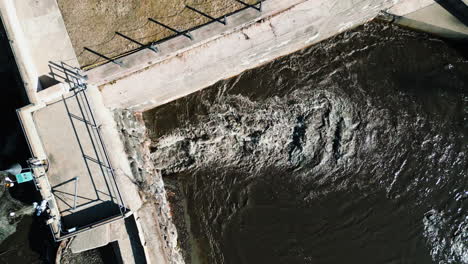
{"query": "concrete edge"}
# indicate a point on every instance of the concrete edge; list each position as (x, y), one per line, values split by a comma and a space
(19, 48)
(25, 116)
(142, 237)
(405, 7)
(118, 157)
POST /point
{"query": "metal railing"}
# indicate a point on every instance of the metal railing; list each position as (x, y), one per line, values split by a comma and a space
(100, 156)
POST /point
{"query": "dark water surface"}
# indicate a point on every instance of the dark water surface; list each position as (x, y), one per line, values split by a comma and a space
(23, 239)
(351, 151)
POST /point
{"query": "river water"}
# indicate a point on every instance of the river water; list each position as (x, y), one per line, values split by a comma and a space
(23, 238)
(350, 151)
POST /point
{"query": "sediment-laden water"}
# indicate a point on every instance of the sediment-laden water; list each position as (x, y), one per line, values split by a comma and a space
(351, 151)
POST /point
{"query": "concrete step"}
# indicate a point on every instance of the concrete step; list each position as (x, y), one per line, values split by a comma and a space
(130, 250)
(97, 237)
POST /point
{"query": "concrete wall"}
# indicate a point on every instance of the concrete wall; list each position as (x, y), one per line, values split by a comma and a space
(429, 17)
(146, 58)
(37, 35)
(405, 7)
(284, 31)
(147, 80)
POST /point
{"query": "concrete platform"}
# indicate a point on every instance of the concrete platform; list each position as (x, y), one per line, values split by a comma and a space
(98, 238)
(123, 234)
(74, 152)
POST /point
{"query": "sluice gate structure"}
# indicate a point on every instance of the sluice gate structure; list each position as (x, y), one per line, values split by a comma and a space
(91, 184)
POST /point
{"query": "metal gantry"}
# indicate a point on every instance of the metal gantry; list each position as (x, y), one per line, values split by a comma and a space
(99, 156)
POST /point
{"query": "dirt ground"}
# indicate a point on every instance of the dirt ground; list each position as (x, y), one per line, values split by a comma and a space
(93, 23)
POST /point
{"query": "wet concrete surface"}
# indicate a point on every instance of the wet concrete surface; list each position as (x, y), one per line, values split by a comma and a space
(351, 151)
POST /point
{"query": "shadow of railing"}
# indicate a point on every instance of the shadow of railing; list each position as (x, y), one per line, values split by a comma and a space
(90, 215)
(64, 73)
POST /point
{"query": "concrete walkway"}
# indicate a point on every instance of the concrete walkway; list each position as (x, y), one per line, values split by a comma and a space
(282, 28)
(147, 79)
(124, 234)
(38, 36)
(52, 134)
(74, 151)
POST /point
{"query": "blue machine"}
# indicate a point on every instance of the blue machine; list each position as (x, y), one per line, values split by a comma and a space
(24, 176)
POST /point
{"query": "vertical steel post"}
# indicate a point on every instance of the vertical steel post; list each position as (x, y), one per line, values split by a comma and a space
(76, 192)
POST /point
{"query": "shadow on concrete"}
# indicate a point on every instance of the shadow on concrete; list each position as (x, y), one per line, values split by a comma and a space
(47, 81)
(137, 248)
(110, 253)
(90, 215)
(457, 8)
(64, 73)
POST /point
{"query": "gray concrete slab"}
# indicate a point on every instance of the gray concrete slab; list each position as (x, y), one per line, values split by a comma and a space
(129, 248)
(90, 240)
(405, 7)
(129, 244)
(116, 150)
(68, 141)
(37, 35)
(35, 144)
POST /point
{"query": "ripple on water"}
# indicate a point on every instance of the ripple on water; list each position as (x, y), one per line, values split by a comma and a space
(345, 152)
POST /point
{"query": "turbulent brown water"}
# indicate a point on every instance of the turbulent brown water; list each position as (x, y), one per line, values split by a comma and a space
(351, 151)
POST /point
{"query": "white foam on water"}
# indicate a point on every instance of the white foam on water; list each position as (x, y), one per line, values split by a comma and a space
(448, 241)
